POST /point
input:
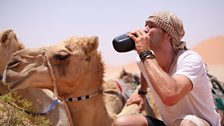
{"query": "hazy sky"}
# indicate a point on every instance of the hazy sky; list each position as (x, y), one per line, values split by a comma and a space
(40, 23)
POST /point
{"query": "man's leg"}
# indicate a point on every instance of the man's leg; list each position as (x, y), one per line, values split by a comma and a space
(132, 120)
(190, 120)
(137, 120)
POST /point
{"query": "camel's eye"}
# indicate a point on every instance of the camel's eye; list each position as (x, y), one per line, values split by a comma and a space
(13, 63)
(61, 55)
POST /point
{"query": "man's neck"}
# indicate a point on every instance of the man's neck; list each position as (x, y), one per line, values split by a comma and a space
(165, 58)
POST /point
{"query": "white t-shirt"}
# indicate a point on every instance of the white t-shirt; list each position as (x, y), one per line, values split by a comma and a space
(198, 101)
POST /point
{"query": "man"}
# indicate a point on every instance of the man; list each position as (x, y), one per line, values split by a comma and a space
(176, 76)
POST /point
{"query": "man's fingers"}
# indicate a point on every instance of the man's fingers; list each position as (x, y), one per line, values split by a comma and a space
(140, 106)
(131, 101)
(128, 102)
(132, 36)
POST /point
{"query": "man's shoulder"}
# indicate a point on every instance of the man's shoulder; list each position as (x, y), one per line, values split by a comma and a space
(189, 54)
(190, 58)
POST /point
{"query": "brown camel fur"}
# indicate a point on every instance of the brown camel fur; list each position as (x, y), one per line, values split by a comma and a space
(78, 69)
(8, 45)
(41, 98)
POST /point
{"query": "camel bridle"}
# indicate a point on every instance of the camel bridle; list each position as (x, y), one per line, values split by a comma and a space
(53, 79)
(50, 69)
(55, 90)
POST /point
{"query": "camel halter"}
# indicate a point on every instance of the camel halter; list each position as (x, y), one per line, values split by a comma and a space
(83, 97)
(49, 66)
(51, 72)
(43, 52)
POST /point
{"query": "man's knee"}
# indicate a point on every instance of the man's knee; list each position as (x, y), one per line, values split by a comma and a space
(133, 120)
(181, 122)
(190, 120)
(121, 121)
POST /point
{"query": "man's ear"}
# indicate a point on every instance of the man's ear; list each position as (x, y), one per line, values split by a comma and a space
(168, 37)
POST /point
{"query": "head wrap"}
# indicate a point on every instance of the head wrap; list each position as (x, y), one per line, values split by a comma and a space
(170, 23)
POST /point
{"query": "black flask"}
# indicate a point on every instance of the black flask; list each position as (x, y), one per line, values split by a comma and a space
(123, 43)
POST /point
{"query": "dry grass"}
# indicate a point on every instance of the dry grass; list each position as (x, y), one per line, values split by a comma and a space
(11, 115)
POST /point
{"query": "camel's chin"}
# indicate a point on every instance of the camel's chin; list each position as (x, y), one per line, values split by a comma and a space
(3, 88)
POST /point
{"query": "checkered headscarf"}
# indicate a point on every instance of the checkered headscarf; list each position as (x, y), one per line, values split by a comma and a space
(170, 23)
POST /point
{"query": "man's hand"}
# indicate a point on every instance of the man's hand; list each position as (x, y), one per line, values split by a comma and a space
(137, 99)
(142, 40)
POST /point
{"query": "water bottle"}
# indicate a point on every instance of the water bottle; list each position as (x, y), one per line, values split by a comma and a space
(123, 43)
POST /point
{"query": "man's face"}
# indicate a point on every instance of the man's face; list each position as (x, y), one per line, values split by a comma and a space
(157, 35)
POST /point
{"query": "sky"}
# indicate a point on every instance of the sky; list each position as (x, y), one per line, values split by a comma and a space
(39, 23)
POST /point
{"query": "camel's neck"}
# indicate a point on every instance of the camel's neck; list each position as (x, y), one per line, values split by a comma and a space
(90, 112)
(85, 84)
(78, 89)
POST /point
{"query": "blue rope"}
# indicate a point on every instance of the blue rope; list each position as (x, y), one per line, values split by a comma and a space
(54, 103)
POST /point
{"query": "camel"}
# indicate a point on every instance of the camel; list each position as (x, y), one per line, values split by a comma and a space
(218, 92)
(41, 98)
(74, 70)
(8, 45)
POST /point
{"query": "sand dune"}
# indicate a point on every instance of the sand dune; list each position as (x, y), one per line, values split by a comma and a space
(114, 72)
(212, 51)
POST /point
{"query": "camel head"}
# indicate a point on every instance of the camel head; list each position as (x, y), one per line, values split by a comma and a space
(8, 45)
(76, 66)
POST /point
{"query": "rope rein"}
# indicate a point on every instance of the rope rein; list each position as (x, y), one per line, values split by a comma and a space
(49, 66)
(51, 72)
(55, 85)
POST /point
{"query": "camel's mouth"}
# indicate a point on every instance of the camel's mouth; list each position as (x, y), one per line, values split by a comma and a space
(11, 86)
(14, 85)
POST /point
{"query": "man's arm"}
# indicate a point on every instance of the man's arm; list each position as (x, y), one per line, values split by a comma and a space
(137, 98)
(169, 88)
(144, 84)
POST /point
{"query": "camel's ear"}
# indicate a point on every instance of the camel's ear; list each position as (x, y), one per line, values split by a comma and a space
(5, 36)
(91, 44)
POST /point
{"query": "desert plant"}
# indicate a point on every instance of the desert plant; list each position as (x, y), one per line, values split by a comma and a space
(13, 112)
